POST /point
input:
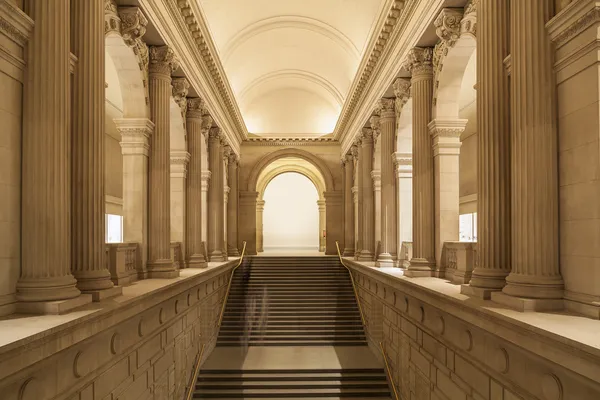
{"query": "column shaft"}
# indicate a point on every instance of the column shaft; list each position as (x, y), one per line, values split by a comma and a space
(215, 196)
(423, 261)
(87, 125)
(194, 126)
(322, 224)
(389, 196)
(368, 210)
(348, 206)
(225, 152)
(359, 198)
(493, 163)
(232, 208)
(260, 208)
(534, 236)
(46, 191)
(160, 265)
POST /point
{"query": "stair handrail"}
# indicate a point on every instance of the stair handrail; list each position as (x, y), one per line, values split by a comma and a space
(229, 284)
(389, 373)
(362, 317)
(190, 391)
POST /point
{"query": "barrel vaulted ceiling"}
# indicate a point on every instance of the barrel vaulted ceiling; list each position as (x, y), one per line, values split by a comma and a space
(291, 62)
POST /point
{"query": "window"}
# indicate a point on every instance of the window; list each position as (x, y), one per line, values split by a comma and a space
(114, 228)
(468, 227)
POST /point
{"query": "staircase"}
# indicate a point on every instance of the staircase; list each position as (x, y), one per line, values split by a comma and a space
(299, 311)
(292, 301)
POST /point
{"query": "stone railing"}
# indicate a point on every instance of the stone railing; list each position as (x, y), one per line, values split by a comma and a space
(177, 255)
(122, 259)
(459, 261)
(405, 255)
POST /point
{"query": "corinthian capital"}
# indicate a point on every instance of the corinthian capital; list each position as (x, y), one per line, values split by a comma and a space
(180, 89)
(354, 151)
(133, 24)
(163, 60)
(214, 133)
(366, 135)
(375, 123)
(402, 92)
(207, 122)
(386, 107)
(226, 152)
(419, 61)
(196, 108)
(447, 25)
(233, 158)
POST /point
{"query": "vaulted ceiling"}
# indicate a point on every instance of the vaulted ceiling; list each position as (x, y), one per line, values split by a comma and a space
(291, 62)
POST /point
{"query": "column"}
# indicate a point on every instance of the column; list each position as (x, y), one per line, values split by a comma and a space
(135, 147)
(215, 196)
(493, 136)
(404, 175)
(194, 247)
(46, 192)
(232, 208)
(368, 214)
(388, 254)
(226, 152)
(535, 281)
(247, 226)
(206, 177)
(260, 208)
(357, 152)
(419, 63)
(162, 64)
(334, 213)
(376, 177)
(88, 263)
(348, 206)
(322, 224)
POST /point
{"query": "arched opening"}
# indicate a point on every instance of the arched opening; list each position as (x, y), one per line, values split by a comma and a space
(291, 214)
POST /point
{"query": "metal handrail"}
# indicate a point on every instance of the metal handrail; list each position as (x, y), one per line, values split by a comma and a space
(362, 317)
(229, 285)
(192, 386)
(389, 374)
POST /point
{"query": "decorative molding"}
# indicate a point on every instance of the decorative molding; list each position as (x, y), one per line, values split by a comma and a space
(199, 32)
(448, 25)
(180, 87)
(396, 16)
(575, 18)
(402, 92)
(300, 141)
(133, 24)
(14, 23)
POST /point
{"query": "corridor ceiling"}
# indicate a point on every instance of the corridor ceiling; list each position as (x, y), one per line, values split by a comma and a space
(291, 62)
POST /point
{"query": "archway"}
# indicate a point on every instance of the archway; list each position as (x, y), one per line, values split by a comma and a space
(291, 214)
(283, 166)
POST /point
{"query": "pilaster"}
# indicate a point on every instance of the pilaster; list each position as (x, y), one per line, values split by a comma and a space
(404, 176)
(260, 208)
(348, 163)
(179, 171)
(232, 207)
(322, 224)
(367, 230)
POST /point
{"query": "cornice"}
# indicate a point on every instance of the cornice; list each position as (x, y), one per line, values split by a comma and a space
(175, 21)
(14, 23)
(275, 141)
(414, 19)
(197, 26)
(572, 20)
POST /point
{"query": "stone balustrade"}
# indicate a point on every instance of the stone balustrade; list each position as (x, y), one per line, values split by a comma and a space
(177, 255)
(123, 260)
(405, 254)
(458, 260)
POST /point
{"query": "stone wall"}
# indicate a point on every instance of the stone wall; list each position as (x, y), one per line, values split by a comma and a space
(142, 348)
(439, 348)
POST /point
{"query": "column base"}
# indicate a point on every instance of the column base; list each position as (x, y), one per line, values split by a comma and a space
(233, 252)
(197, 261)
(217, 256)
(420, 268)
(385, 260)
(365, 255)
(348, 253)
(53, 307)
(93, 281)
(99, 295)
(33, 290)
(162, 269)
(524, 304)
(480, 293)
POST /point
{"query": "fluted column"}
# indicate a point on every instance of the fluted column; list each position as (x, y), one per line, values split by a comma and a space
(232, 208)
(368, 216)
(215, 196)
(226, 152)
(376, 177)
(357, 152)
(348, 206)
(206, 177)
(419, 63)
(322, 224)
(356, 219)
(46, 191)
(535, 281)
(493, 137)
(260, 208)
(88, 263)
(194, 125)
(162, 64)
(388, 254)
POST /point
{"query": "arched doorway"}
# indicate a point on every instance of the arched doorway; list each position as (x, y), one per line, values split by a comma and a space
(291, 214)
